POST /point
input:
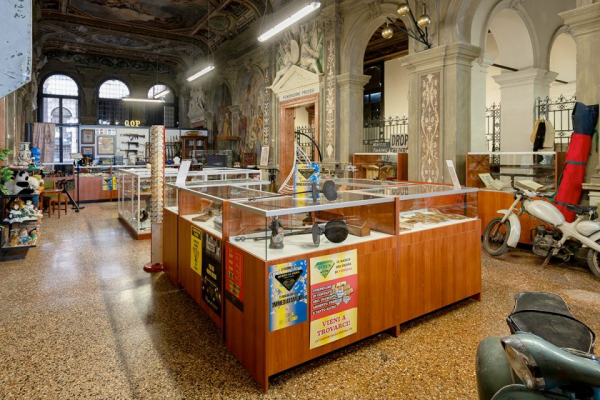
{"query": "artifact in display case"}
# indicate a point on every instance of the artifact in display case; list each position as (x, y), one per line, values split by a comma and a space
(427, 206)
(505, 170)
(277, 227)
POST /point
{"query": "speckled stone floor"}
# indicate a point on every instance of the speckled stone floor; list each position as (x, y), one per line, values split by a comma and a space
(80, 319)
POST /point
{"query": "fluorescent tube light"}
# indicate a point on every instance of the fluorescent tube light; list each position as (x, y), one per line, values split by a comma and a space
(143, 100)
(199, 74)
(162, 94)
(307, 9)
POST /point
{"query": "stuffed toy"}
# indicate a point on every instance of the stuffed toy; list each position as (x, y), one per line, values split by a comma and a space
(19, 184)
(34, 184)
(36, 154)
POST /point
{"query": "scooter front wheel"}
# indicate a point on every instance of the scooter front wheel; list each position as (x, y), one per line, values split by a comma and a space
(495, 237)
(593, 259)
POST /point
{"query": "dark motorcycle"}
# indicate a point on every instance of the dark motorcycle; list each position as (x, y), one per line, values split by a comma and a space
(548, 356)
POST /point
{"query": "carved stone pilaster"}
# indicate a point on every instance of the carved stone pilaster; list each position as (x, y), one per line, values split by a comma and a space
(330, 101)
(267, 110)
(333, 26)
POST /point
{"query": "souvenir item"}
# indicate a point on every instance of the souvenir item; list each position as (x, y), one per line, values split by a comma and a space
(24, 157)
(328, 189)
(336, 231)
(19, 184)
(277, 234)
(36, 154)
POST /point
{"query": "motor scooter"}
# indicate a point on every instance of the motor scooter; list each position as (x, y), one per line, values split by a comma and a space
(548, 356)
(556, 238)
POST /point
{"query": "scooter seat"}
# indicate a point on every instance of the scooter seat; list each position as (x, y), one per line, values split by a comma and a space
(549, 317)
(577, 209)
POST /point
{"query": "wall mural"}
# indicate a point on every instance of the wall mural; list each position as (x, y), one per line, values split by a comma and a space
(221, 102)
(430, 127)
(251, 100)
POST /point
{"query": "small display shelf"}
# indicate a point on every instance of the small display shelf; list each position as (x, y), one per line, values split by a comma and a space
(18, 234)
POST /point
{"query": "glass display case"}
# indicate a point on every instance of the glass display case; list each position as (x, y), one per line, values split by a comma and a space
(288, 226)
(214, 158)
(134, 199)
(203, 205)
(537, 171)
(427, 206)
(172, 190)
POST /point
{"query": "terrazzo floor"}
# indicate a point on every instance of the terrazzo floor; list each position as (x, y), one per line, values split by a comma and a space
(80, 319)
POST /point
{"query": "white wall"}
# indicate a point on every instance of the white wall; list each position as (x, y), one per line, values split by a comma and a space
(301, 117)
(563, 60)
(492, 92)
(396, 89)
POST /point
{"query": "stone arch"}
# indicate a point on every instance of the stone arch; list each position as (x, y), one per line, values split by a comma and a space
(357, 33)
(562, 54)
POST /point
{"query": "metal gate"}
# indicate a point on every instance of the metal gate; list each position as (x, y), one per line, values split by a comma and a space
(558, 113)
(382, 130)
(304, 142)
(492, 130)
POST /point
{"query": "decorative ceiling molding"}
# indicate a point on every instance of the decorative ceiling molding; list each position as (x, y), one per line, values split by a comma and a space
(91, 61)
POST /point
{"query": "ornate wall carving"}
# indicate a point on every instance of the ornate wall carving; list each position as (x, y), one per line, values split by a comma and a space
(266, 110)
(429, 151)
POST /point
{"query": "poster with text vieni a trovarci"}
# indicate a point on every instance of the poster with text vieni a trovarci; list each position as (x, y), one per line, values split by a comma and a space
(333, 297)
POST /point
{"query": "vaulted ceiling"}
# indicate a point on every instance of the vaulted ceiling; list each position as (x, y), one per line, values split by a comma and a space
(171, 32)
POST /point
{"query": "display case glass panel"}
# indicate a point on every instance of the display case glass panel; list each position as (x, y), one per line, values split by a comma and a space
(203, 205)
(288, 226)
(172, 190)
(537, 171)
(427, 206)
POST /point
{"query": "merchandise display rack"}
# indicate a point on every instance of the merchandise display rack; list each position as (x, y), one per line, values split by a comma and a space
(9, 252)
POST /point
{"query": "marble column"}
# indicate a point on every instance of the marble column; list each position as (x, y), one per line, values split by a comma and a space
(518, 93)
(439, 110)
(479, 102)
(585, 27)
(351, 88)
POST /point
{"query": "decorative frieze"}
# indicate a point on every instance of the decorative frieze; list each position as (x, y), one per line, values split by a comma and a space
(429, 151)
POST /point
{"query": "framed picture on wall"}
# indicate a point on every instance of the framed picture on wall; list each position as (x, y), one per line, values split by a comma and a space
(88, 151)
(88, 136)
(105, 145)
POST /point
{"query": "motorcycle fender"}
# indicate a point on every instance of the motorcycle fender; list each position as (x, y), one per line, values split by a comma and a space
(492, 368)
(519, 392)
(594, 238)
(515, 228)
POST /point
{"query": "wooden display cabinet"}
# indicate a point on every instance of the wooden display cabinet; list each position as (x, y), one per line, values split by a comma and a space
(191, 143)
(381, 166)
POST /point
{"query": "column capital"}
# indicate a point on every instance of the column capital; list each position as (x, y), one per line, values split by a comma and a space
(486, 60)
(437, 57)
(524, 77)
(353, 79)
(584, 20)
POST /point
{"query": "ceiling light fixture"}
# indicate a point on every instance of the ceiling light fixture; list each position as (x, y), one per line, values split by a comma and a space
(303, 12)
(420, 33)
(162, 94)
(203, 72)
(143, 100)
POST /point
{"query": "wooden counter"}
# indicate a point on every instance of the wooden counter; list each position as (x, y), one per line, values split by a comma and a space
(171, 245)
(438, 267)
(265, 353)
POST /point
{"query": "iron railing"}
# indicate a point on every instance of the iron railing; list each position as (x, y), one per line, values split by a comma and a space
(558, 113)
(492, 126)
(392, 131)
(305, 143)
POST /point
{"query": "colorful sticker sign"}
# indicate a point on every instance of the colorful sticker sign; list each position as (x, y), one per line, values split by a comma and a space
(211, 273)
(234, 280)
(305, 175)
(196, 251)
(333, 297)
(287, 301)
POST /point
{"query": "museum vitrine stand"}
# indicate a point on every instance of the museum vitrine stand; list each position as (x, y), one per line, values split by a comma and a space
(411, 250)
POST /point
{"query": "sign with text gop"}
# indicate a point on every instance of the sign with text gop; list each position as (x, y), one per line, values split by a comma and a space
(333, 297)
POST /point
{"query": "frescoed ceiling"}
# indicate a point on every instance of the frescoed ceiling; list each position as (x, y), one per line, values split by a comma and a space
(173, 32)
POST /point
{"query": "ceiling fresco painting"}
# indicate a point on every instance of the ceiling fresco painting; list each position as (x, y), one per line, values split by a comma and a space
(173, 32)
(166, 14)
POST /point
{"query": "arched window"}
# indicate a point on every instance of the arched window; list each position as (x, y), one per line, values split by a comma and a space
(165, 113)
(60, 105)
(111, 109)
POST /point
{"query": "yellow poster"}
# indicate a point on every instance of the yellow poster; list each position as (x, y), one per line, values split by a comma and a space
(333, 266)
(333, 327)
(333, 297)
(196, 256)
